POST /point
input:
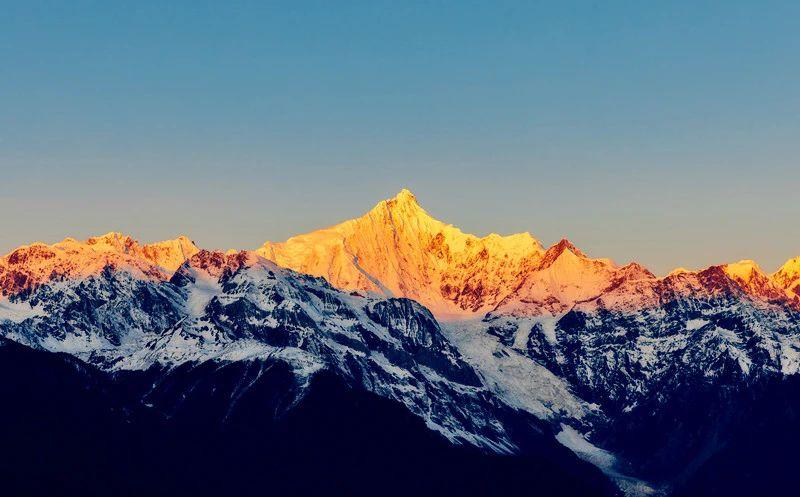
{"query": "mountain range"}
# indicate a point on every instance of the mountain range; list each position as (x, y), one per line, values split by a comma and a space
(437, 360)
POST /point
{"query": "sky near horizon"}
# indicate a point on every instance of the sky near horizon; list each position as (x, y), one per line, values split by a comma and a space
(667, 133)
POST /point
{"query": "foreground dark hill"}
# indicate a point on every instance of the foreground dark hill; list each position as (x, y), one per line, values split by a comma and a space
(75, 430)
(759, 457)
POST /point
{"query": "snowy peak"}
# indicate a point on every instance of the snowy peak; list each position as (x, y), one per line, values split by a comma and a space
(405, 198)
(562, 248)
(788, 276)
(751, 279)
(170, 254)
(745, 270)
(678, 271)
(563, 277)
(739, 278)
(111, 241)
(31, 265)
(398, 249)
(404, 216)
(636, 270)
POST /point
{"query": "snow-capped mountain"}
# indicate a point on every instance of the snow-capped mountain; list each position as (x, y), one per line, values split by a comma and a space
(117, 307)
(240, 306)
(628, 344)
(33, 265)
(680, 349)
(397, 249)
(788, 276)
(647, 378)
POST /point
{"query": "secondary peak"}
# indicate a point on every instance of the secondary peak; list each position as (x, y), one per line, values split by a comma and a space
(554, 252)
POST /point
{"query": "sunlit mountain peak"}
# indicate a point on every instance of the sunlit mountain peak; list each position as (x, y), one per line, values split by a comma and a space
(788, 276)
(31, 265)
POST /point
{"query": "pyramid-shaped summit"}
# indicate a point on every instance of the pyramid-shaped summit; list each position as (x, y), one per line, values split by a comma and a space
(398, 249)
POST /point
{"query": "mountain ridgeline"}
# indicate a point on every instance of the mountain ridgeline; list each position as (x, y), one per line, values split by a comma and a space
(394, 354)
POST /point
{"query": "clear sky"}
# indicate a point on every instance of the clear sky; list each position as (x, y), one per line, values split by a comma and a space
(665, 132)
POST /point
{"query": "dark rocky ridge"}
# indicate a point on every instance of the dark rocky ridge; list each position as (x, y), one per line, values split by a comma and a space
(79, 431)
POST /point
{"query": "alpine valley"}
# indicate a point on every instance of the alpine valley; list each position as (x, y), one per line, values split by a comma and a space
(392, 354)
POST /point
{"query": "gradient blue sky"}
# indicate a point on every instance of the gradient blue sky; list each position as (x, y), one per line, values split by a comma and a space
(666, 132)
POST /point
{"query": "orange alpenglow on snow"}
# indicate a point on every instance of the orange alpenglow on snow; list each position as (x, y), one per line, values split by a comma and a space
(37, 263)
(788, 276)
(398, 249)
